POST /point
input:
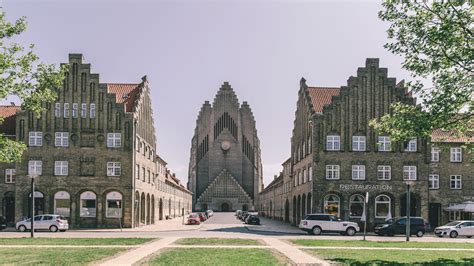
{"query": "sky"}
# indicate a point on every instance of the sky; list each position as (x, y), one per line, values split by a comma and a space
(189, 48)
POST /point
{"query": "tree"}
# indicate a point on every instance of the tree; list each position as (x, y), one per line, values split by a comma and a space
(435, 39)
(21, 75)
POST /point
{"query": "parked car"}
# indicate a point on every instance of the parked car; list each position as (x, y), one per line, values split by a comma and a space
(455, 229)
(242, 215)
(418, 226)
(51, 222)
(253, 219)
(237, 212)
(3, 223)
(193, 218)
(318, 223)
(202, 216)
(210, 213)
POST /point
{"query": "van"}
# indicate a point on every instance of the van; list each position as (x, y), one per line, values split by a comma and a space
(418, 226)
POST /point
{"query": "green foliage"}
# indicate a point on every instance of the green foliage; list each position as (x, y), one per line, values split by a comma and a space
(21, 75)
(435, 38)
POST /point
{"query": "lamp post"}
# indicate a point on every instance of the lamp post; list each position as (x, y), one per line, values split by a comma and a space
(408, 213)
(32, 211)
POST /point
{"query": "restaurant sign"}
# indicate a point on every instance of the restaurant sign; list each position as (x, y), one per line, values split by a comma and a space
(353, 187)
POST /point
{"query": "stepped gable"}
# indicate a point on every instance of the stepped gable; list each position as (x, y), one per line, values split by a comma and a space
(224, 186)
(124, 94)
(321, 96)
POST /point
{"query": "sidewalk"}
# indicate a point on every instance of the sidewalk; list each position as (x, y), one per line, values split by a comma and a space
(175, 224)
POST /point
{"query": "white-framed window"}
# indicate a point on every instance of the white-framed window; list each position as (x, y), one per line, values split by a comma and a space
(358, 172)
(61, 139)
(75, 110)
(384, 143)
(66, 110)
(61, 168)
(35, 167)
(411, 145)
(433, 182)
(434, 154)
(409, 172)
(332, 204)
(113, 169)
(88, 204)
(356, 206)
(10, 175)
(35, 138)
(310, 173)
(382, 206)
(358, 143)
(456, 154)
(62, 203)
(333, 143)
(92, 110)
(454, 215)
(384, 172)
(114, 205)
(57, 110)
(114, 140)
(84, 110)
(332, 172)
(137, 171)
(455, 182)
(305, 176)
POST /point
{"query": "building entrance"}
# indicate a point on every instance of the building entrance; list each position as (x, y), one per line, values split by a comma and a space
(9, 207)
(434, 213)
(225, 207)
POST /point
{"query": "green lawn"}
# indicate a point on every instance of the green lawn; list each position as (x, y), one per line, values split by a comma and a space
(395, 257)
(54, 256)
(219, 241)
(216, 256)
(355, 243)
(73, 241)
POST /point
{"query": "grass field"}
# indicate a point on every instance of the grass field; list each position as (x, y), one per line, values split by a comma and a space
(354, 243)
(73, 241)
(219, 241)
(217, 256)
(54, 256)
(395, 257)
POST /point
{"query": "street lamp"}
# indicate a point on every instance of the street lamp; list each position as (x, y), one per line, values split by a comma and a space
(33, 176)
(408, 212)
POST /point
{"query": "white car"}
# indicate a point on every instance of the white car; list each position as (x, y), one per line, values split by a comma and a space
(317, 223)
(455, 229)
(51, 222)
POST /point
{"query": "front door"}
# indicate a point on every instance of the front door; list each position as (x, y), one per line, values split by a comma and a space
(9, 207)
(225, 207)
(434, 212)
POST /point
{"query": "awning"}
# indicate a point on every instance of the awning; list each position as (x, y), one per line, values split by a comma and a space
(464, 207)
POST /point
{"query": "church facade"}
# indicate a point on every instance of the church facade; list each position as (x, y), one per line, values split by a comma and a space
(225, 169)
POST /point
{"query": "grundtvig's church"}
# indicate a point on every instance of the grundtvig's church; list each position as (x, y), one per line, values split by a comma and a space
(225, 169)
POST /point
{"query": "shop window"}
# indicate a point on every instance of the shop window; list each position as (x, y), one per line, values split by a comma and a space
(88, 204)
(62, 202)
(382, 206)
(332, 204)
(114, 205)
(356, 206)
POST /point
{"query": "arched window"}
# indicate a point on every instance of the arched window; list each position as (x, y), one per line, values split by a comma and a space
(62, 203)
(332, 204)
(114, 205)
(382, 206)
(88, 204)
(356, 206)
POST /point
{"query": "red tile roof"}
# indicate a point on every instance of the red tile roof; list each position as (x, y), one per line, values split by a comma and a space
(7, 112)
(124, 93)
(321, 96)
(439, 135)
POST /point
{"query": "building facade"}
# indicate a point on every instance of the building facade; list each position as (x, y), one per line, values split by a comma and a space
(92, 153)
(225, 169)
(336, 157)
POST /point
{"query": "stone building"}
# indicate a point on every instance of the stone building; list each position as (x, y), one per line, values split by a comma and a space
(225, 169)
(336, 157)
(93, 151)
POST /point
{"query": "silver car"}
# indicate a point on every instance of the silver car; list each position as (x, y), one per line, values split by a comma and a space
(51, 222)
(455, 229)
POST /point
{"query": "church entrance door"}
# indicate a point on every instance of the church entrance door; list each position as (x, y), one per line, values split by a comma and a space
(225, 207)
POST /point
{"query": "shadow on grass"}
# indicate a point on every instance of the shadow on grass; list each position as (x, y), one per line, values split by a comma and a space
(245, 230)
(352, 262)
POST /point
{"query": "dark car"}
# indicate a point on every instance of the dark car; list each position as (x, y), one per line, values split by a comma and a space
(3, 223)
(252, 219)
(242, 215)
(245, 216)
(418, 226)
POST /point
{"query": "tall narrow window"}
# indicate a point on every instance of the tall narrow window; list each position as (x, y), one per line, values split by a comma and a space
(433, 182)
(384, 143)
(75, 110)
(409, 172)
(66, 110)
(92, 110)
(358, 172)
(84, 110)
(333, 143)
(358, 143)
(57, 110)
(35, 138)
(435, 154)
(10, 176)
(305, 176)
(61, 139)
(456, 155)
(310, 173)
